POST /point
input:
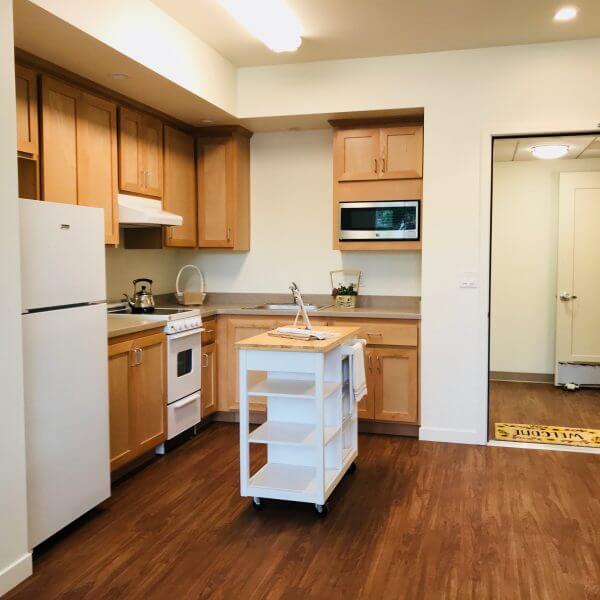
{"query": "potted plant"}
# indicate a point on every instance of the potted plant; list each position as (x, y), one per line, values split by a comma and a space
(345, 292)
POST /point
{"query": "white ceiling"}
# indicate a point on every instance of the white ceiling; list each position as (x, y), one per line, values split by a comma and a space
(334, 29)
(519, 149)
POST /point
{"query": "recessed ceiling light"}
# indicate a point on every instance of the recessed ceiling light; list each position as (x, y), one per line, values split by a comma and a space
(119, 75)
(271, 21)
(207, 120)
(550, 151)
(565, 14)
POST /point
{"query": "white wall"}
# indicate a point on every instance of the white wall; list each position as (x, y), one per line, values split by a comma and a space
(15, 560)
(524, 255)
(467, 96)
(292, 222)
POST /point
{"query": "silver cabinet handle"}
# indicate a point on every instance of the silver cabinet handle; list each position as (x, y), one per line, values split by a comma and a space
(132, 359)
(379, 363)
(229, 234)
(204, 364)
(383, 165)
(374, 165)
(140, 355)
(370, 363)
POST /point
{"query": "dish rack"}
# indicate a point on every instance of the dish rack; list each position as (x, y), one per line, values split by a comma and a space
(186, 297)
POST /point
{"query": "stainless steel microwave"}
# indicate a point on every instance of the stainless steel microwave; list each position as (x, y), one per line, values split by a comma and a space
(380, 221)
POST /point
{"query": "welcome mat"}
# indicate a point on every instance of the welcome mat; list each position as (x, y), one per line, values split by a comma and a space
(548, 434)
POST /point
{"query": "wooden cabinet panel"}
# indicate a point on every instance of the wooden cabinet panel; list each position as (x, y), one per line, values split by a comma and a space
(152, 155)
(401, 152)
(140, 153)
(122, 432)
(224, 190)
(396, 396)
(357, 154)
(209, 379)
(137, 396)
(59, 141)
(149, 393)
(27, 110)
(366, 407)
(180, 187)
(385, 333)
(214, 194)
(209, 335)
(97, 160)
(130, 159)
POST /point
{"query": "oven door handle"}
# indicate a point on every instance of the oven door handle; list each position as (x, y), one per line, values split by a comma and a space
(185, 401)
(182, 334)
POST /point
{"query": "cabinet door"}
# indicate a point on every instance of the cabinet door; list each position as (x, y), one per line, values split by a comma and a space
(366, 407)
(97, 160)
(401, 152)
(148, 392)
(130, 156)
(240, 329)
(122, 427)
(27, 111)
(209, 379)
(396, 395)
(152, 156)
(180, 187)
(59, 141)
(214, 193)
(357, 154)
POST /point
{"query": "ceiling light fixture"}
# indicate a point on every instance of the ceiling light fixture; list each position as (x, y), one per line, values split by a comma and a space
(565, 14)
(119, 75)
(271, 21)
(550, 151)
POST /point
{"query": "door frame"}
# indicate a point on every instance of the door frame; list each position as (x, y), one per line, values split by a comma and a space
(488, 135)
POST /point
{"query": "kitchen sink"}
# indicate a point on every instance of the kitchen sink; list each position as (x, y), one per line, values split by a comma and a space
(283, 306)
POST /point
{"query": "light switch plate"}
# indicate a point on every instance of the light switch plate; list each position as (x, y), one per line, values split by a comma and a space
(469, 280)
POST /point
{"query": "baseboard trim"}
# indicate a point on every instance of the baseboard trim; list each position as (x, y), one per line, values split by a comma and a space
(453, 436)
(388, 428)
(522, 377)
(15, 573)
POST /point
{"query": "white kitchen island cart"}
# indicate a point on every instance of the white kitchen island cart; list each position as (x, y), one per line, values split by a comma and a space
(311, 431)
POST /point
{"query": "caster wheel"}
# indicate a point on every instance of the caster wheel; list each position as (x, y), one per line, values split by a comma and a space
(322, 510)
(258, 503)
(352, 468)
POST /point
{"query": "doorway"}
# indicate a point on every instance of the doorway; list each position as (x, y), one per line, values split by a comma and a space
(544, 370)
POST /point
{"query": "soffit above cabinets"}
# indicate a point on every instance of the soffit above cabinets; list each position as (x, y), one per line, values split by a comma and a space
(519, 149)
(338, 29)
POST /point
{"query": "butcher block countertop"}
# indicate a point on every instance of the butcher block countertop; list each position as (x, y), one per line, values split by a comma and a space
(264, 341)
(127, 324)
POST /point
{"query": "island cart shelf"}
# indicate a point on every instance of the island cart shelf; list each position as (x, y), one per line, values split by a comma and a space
(311, 431)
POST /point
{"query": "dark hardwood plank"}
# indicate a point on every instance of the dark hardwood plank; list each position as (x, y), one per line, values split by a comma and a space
(542, 404)
(416, 520)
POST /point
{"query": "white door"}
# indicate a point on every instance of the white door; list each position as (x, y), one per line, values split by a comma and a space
(62, 254)
(578, 276)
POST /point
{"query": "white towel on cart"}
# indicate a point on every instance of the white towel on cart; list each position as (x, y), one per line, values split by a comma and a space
(359, 378)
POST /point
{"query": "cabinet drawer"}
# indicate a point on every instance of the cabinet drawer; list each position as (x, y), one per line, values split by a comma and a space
(183, 414)
(210, 332)
(384, 333)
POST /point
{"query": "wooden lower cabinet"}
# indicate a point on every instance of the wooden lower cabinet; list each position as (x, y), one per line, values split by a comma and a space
(366, 407)
(209, 379)
(137, 396)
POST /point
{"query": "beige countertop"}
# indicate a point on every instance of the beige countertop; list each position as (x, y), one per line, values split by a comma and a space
(265, 341)
(126, 324)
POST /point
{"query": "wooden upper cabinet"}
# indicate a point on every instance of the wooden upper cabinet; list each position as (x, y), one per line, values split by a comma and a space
(97, 160)
(366, 154)
(401, 152)
(59, 141)
(224, 191)
(79, 151)
(358, 154)
(140, 153)
(27, 110)
(180, 187)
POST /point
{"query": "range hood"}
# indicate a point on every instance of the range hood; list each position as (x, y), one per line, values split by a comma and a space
(143, 212)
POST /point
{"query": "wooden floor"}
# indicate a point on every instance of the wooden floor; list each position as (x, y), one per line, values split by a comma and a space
(416, 520)
(542, 404)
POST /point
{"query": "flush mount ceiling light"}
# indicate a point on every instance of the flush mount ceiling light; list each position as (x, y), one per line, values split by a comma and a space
(550, 151)
(271, 21)
(119, 75)
(565, 14)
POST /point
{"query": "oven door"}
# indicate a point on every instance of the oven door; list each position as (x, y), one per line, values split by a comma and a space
(379, 221)
(183, 364)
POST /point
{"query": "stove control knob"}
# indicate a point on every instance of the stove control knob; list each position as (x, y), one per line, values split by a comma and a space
(176, 327)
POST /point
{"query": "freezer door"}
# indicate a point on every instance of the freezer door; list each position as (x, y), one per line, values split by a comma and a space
(62, 254)
(66, 416)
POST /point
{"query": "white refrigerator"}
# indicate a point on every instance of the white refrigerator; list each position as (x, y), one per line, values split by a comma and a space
(65, 363)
